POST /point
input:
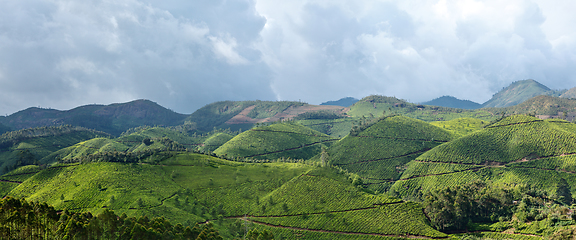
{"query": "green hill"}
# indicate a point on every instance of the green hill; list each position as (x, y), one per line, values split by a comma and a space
(377, 106)
(379, 152)
(137, 140)
(191, 188)
(452, 102)
(113, 118)
(571, 93)
(215, 141)
(519, 92)
(4, 129)
(517, 149)
(543, 105)
(30, 146)
(280, 140)
(461, 126)
(344, 102)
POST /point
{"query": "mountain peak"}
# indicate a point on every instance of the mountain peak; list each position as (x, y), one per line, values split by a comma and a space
(517, 93)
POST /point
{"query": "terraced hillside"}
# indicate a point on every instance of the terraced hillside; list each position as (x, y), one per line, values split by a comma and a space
(30, 146)
(461, 126)
(289, 199)
(141, 139)
(280, 140)
(377, 106)
(379, 152)
(516, 150)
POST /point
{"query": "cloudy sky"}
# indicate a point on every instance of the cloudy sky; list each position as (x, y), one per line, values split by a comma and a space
(185, 54)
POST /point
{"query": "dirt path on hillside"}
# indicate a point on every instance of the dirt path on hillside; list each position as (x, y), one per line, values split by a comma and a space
(339, 232)
(405, 139)
(310, 135)
(382, 159)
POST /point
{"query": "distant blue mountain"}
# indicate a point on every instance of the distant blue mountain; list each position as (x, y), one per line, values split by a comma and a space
(452, 102)
(344, 102)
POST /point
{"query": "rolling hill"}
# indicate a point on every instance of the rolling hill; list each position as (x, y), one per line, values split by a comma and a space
(30, 146)
(518, 92)
(571, 93)
(289, 199)
(344, 102)
(375, 106)
(113, 118)
(516, 150)
(279, 140)
(452, 102)
(378, 152)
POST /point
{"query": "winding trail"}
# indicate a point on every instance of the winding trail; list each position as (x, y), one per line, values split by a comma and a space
(289, 149)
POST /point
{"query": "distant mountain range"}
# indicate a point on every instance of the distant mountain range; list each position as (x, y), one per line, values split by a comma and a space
(514, 94)
(452, 102)
(113, 118)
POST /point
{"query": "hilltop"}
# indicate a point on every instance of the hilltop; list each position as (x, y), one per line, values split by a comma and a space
(518, 92)
(279, 140)
(452, 102)
(344, 102)
(244, 114)
(30, 146)
(114, 118)
(571, 93)
(378, 152)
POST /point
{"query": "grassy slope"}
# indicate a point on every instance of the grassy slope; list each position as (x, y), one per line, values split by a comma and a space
(215, 141)
(334, 127)
(376, 105)
(40, 142)
(131, 142)
(191, 188)
(281, 140)
(518, 149)
(541, 105)
(461, 126)
(379, 153)
(517, 93)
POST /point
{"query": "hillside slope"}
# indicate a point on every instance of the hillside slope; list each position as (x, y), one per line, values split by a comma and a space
(318, 203)
(519, 92)
(517, 149)
(571, 93)
(344, 102)
(30, 146)
(379, 152)
(113, 118)
(452, 102)
(280, 140)
(377, 106)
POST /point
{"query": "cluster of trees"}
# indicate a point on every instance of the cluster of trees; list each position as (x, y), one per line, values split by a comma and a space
(454, 208)
(319, 115)
(20, 219)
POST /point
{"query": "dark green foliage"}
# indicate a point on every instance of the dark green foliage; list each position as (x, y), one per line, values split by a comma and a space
(319, 115)
(455, 207)
(20, 219)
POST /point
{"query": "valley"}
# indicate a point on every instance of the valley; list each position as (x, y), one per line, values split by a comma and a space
(382, 168)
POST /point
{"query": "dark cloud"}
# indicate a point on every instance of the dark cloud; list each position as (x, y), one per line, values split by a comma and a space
(185, 54)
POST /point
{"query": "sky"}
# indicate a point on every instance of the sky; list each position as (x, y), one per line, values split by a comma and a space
(186, 54)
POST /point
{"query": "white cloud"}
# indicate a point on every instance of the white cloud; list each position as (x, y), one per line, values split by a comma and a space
(185, 54)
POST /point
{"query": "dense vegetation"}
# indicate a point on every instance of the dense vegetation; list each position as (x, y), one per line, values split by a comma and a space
(20, 219)
(378, 151)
